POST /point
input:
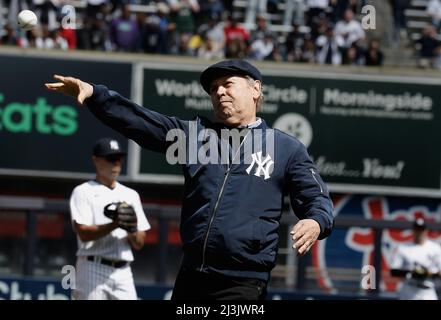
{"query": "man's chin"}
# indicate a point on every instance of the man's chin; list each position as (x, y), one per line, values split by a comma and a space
(115, 175)
(229, 122)
(223, 116)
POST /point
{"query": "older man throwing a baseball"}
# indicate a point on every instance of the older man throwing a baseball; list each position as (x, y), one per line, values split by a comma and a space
(233, 202)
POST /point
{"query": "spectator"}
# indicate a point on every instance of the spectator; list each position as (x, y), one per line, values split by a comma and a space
(141, 21)
(277, 54)
(209, 50)
(426, 45)
(189, 46)
(373, 56)
(254, 8)
(182, 17)
(124, 31)
(400, 21)
(95, 32)
(46, 11)
(50, 40)
(261, 30)
(236, 49)
(160, 33)
(234, 31)
(316, 9)
(433, 9)
(294, 43)
(164, 26)
(213, 36)
(294, 12)
(228, 5)
(210, 8)
(352, 56)
(261, 49)
(29, 38)
(10, 37)
(308, 51)
(236, 38)
(70, 36)
(319, 27)
(96, 35)
(94, 8)
(340, 6)
(154, 33)
(329, 48)
(263, 41)
(349, 29)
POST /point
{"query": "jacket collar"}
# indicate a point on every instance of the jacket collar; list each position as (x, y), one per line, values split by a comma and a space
(254, 124)
(259, 123)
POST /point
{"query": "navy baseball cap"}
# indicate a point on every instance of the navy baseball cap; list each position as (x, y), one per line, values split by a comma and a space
(419, 223)
(107, 147)
(228, 67)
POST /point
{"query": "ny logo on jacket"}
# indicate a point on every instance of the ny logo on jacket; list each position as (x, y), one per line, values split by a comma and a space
(263, 166)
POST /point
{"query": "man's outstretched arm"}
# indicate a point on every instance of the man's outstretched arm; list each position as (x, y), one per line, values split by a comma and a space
(146, 127)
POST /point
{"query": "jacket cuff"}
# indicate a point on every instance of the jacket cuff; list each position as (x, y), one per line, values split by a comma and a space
(325, 228)
(98, 96)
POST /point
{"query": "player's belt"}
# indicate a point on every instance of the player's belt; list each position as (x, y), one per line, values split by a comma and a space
(107, 262)
(418, 284)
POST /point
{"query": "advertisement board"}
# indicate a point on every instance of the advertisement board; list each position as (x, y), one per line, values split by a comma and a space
(365, 133)
(43, 133)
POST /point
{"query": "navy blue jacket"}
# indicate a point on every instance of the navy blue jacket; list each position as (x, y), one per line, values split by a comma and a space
(230, 216)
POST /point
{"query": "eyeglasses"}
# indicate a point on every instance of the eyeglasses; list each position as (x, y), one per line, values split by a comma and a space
(113, 158)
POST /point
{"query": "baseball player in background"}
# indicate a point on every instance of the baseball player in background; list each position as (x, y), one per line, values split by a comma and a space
(419, 263)
(109, 220)
(231, 210)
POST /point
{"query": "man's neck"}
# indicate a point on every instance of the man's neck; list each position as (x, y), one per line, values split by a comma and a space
(109, 183)
(244, 124)
(420, 241)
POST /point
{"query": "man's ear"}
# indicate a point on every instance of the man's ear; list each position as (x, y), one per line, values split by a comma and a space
(257, 89)
(94, 160)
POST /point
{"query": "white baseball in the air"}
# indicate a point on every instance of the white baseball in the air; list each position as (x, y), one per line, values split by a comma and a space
(27, 20)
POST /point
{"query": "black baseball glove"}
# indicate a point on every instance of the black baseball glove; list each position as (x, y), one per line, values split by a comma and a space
(420, 273)
(124, 214)
(111, 210)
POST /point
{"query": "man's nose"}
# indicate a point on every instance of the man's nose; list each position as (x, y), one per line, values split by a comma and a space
(220, 90)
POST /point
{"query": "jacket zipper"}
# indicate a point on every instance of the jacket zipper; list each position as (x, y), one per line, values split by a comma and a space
(227, 173)
(313, 175)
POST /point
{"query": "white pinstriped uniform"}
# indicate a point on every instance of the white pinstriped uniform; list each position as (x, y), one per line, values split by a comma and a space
(96, 281)
(412, 256)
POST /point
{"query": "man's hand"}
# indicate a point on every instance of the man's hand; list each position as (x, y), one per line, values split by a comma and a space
(72, 87)
(304, 234)
(126, 217)
(421, 273)
(123, 214)
(136, 239)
